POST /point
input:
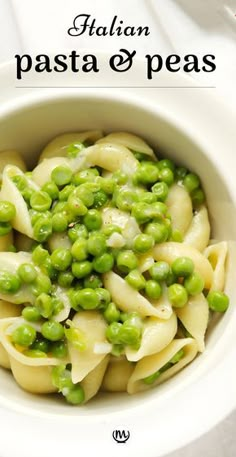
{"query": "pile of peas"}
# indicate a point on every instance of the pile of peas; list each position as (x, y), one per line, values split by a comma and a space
(70, 204)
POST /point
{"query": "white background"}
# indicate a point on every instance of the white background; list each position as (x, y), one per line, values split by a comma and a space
(176, 26)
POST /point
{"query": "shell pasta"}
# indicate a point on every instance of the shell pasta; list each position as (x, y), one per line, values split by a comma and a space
(108, 277)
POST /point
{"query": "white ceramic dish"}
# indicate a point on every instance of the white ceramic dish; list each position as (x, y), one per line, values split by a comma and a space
(194, 130)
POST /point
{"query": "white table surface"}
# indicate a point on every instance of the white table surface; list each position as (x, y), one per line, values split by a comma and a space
(181, 26)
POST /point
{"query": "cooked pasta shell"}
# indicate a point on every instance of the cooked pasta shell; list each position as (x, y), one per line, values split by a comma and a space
(34, 379)
(58, 146)
(194, 316)
(157, 334)
(7, 310)
(217, 255)
(130, 141)
(198, 233)
(92, 382)
(10, 262)
(9, 192)
(170, 251)
(153, 363)
(117, 375)
(93, 326)
(180, 208)
(126, 298)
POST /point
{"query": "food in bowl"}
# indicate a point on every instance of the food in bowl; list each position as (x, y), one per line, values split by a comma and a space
(108, 276)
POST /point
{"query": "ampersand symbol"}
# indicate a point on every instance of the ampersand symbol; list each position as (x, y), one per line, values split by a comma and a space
(118, 60)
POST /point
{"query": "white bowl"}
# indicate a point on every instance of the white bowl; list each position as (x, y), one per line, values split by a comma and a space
(180, 410)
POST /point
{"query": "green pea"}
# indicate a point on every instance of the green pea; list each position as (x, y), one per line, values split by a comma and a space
(40, 201)
(218, 301)
(166, 163)
(108, 230)
(160, 190)
(147, 197)
(88, 299)
(85, 176)
(104, 297)
(153, 289)
(166, 175)
(180, 173)
(27, 272)
(125, 199)
(143, 243)
(135, 279)
(65, 279)
(20, 182)
(44, 304)
(74, 149)
(126, 261)
(108, 185)
(158, 210)
(51, 189)
(97, 244)
(79, 249)
(177, 357)
(61, 175)
(36, 215)
(194, 284)
(158, 231)
(191, 182)
(9, 283)
(100, 199)
(40, 255)
(77, 231)
(40, 344)
(59, 222)
(120, 177)
(112, 332)
(92, 281)
(104, 263)
(42, 229)
(61, 259)
(198, 197)
(42, 284)
(176, 236)
(112, 314)
(60, 207)
(85, 194)
(52, 330)
(35, 353)
(59, 349)
(130, 334)
(76, 395)
(147, 173)
(76, 206)
(31, 314)
(177, 295)
(82, 269)
(65, 193)
(5, 228)
(143, 212)
(93, 220)
(182, 267)
(27, 194)
(7, 211)
(152, 378)
(140, 156)
(24, 335)
(117, 350)
(61, 378)
(159, 271)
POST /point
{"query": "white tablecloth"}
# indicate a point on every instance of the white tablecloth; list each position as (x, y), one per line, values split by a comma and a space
(177, 26)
